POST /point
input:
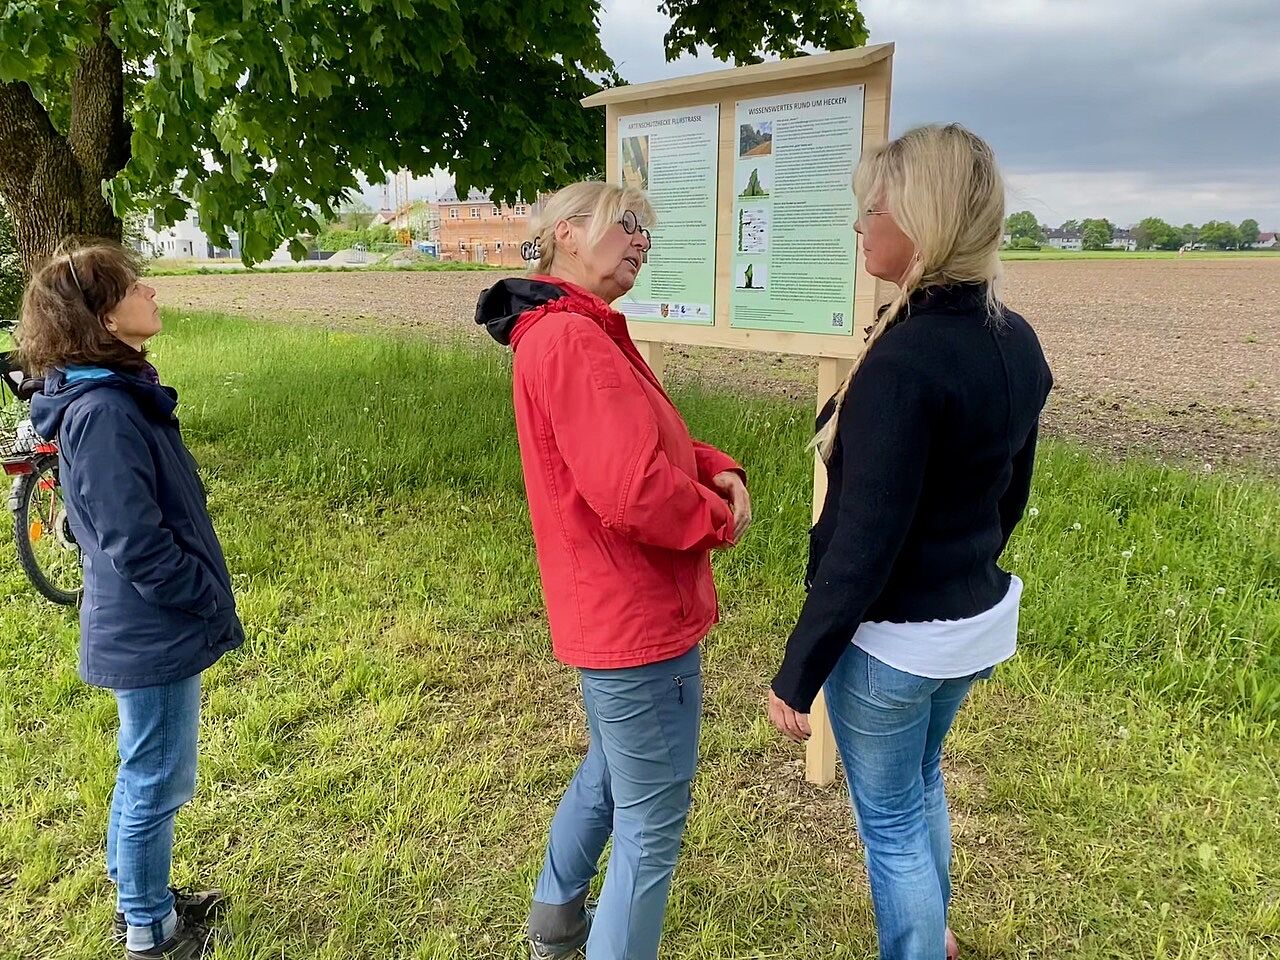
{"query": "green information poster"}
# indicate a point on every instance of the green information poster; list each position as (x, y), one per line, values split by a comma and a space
(672, 156)
(795, 251)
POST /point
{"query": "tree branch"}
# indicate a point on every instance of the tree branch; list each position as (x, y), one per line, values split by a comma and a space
(98, 135)
(26, 135)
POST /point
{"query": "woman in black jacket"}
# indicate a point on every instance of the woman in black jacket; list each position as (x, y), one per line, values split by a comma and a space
(929, 447)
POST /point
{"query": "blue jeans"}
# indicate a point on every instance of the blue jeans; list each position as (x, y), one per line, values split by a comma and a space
(889, 727)
(635, 784)
(157, 775)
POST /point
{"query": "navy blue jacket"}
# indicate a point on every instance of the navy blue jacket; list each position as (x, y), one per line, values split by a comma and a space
(157, 602)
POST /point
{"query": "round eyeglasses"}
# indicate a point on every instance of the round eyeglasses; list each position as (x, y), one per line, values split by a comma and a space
(630, 224)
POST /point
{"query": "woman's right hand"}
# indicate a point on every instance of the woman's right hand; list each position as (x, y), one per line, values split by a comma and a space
(730, 486)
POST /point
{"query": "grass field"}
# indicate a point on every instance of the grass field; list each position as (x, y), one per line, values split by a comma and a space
(381, 761)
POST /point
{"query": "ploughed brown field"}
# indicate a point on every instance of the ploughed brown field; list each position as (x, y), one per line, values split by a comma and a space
(1173, 359)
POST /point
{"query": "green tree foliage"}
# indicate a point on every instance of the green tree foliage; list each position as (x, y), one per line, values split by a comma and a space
(356, 215)
(1071, 226)
(263, 113)
(1152, 233)
(1096, 234)
(1024, 225)
(343, 239)
(1220, 235)
(1249, 232)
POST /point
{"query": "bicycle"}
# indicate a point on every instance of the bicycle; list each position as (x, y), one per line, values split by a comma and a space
(47, 549)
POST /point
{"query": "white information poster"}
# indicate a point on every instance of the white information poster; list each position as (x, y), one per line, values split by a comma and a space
(795, 250)
(672, 156)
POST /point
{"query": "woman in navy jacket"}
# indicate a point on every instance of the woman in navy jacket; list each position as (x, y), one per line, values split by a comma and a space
(157, 608)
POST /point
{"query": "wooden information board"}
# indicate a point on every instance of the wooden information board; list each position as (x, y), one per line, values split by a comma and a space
(750, 171)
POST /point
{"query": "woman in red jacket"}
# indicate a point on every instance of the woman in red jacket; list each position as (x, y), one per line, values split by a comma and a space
(625, 508)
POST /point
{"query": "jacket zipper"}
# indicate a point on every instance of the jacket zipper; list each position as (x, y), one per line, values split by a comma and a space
(680, 688)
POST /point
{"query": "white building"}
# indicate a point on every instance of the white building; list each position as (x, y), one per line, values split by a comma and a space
(1060, 239)
(184, 241)
(1123, 240)
(1267, 241)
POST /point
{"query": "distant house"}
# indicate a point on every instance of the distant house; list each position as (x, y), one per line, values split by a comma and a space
(481, 231)
(1060, 239)
(1123, 240)
(1267, 241)
(184, 240)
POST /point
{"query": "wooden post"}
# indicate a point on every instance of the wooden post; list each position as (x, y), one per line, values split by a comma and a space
(655, 355)
(820, 753)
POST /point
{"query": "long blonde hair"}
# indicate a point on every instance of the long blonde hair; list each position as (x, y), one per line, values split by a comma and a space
(942, 187)
(604, 203)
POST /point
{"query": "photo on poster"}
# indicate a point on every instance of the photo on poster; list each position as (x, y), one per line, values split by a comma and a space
(754, 181)
(752, 276)
(635, 162)
(753, 230)
(755, 139)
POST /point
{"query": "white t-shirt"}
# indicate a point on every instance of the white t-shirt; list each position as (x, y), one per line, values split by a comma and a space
(946, 649)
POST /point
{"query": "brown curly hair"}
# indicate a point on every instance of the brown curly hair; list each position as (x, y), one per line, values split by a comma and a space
(65, 306)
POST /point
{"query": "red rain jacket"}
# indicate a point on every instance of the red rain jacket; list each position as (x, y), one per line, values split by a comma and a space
(624, 514)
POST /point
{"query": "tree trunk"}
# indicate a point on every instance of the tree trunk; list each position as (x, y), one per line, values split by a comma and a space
(51, 184)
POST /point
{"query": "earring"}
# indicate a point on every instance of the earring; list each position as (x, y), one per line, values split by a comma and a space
(531, 251)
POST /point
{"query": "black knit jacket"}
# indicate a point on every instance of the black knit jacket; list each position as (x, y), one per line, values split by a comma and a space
(930, 473)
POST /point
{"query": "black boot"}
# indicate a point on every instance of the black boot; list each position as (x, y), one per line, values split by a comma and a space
(190, 941)
(201, 907)
(558, 929)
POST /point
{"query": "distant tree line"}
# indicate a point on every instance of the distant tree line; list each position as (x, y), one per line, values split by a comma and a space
(1151, 233)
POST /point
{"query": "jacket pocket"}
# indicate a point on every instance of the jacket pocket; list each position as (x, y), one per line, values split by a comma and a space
(680, 576)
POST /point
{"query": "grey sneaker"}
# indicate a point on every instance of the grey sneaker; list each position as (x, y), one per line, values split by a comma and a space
(552, 940)
(190, 941)
(202, 907)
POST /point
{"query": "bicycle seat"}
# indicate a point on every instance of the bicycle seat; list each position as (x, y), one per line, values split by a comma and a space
(29, 388)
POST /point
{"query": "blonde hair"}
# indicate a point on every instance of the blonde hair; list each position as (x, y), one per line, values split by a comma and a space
(604, 203)
(942, 187)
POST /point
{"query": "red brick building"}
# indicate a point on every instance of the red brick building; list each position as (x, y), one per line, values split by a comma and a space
(480, 231)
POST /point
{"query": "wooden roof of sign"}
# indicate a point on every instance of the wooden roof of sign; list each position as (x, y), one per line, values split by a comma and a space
(772, 72)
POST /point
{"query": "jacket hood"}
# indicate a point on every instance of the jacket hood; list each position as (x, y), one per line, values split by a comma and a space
(502, 305)
(511, 306)
(49, 407)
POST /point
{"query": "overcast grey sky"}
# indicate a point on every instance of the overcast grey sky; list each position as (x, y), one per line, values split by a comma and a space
(1114, 108)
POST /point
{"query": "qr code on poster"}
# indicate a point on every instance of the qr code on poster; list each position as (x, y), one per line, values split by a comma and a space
(837, 319)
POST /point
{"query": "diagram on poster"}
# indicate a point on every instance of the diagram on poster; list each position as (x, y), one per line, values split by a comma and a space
(672, 155)
(795, 251)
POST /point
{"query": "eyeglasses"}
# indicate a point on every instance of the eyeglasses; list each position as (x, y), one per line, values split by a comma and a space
(871, 212)
(629, 222)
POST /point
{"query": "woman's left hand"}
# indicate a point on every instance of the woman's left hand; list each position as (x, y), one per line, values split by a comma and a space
(730, 486)
(791, 724)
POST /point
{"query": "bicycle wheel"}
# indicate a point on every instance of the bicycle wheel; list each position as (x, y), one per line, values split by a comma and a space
(47, 549)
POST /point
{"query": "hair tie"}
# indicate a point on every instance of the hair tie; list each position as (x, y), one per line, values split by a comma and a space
(531, 250)
(71, 262)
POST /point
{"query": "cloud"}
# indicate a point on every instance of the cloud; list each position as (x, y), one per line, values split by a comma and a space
(1095, 107)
